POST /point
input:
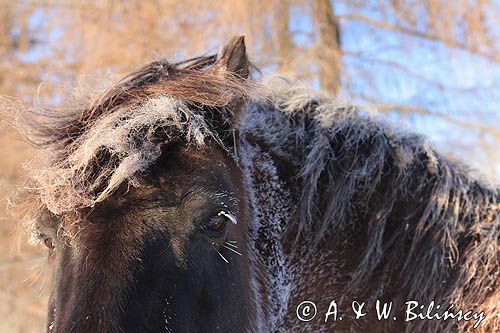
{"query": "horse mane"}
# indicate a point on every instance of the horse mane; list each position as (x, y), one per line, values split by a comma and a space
(88, 149)
(349, 166)
(431, 226)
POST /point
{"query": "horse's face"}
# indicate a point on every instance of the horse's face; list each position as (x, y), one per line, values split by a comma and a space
(162, 256)
(165, 252)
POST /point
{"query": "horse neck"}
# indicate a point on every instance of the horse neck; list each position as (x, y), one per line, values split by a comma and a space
(270, 208)
(362, 189)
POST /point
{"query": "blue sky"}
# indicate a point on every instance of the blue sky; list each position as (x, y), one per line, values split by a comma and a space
(424, 74)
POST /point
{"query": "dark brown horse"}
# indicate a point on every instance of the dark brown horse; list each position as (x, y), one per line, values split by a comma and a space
(189, 198)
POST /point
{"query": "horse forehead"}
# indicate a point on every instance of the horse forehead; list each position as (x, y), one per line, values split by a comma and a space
(203, 174)
(184, 167)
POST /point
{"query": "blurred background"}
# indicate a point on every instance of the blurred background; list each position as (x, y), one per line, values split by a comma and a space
(432, 66)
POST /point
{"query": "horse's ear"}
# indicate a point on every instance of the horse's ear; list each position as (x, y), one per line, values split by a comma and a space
(231, 64)
(233, 58)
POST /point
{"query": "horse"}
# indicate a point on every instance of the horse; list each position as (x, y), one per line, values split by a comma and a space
(191, 197)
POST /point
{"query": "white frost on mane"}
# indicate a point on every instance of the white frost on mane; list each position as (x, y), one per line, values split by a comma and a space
(128, 135)
(354, 162)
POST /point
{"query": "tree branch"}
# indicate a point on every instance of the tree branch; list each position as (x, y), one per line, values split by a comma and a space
(411, 109)
(423, 35)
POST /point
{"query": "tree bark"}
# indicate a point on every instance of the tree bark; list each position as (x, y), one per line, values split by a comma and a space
(328, 48)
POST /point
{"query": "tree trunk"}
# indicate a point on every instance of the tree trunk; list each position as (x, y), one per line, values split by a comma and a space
(282, 37)
(328, 50)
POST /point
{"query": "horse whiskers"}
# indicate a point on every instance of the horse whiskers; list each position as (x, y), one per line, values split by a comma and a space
(214, 245)
(232, 245)
(233, 250)
(227, 262)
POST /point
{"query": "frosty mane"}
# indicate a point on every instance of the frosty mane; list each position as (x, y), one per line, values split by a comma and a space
(359, 175)
(89, 149)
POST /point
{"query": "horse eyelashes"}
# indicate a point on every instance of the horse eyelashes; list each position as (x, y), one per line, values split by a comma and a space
(228, 215)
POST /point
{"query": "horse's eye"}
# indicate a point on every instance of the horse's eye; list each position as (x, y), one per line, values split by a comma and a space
(217, 223)
(216, 226)
(48, 243)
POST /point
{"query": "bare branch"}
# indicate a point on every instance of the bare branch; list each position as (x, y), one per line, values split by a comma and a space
(411, 109)
(494, 57)
(406, 70)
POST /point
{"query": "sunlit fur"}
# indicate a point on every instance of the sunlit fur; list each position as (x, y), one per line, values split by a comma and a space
(376, 212)
(350, 206)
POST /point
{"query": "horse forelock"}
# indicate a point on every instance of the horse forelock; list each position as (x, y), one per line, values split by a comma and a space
(88, 149)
